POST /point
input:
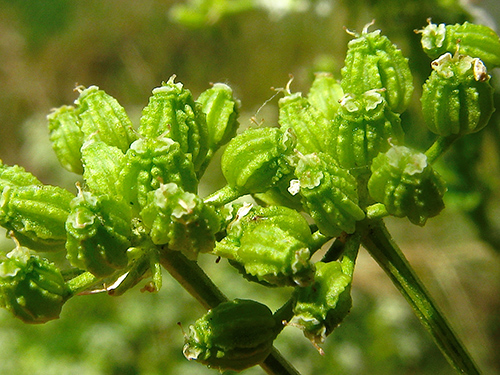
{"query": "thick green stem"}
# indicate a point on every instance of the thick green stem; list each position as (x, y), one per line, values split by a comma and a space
(439, 147)
(377, 240)
(82, 282)
(201, 287)
(223, 196)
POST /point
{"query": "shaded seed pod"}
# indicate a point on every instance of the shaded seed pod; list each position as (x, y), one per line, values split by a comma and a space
(467, 39)
(407, 185)
(364, 126)
(373, 62)
(269, 245)
(31, 288)
(256, 159)
(329, 194)
(151, 162)
(98, 234)
(325, 94)
(180, 220)
(457, 98)
(16, 176)
(221, 110)
(36, 215)
(102, 118)
(173, 113)
(235, 335)
(314, 131)
(67, 138)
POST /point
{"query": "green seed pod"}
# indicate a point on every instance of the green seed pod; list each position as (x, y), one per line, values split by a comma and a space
(36, 215)
(31, 288)
(173, 113)
(221, 110)
(313, 130)
(98, 234)
(234, 336)
(102, 118)
(256, 159)
(364, 126)
(406, 184)
(269, 245)
(151, 162)
(67, 138)
(325, 94)
(467, 39)
(329, 194)
(16, 176)
(373, 62)
(180, 220)
(457, 98)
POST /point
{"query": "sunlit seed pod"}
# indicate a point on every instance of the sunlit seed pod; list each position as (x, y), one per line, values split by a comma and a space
(98, 234)
(16, 176)
(235, 335)
(36, 215)
(325, 94)
(31, 288)
(407, 185)
(314, 132)
(67, 138)
(221, 110)
(329, 194)
(467, 39)
(256, 159)
(102, 118)
(457, 98)
(373, 62)
(180, 220)
(364, 127)
(151, 162)
(173, 113)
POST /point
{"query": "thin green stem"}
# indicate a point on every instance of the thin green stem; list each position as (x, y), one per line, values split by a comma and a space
(377, 240)
(223, 196)
(82, 282)
(439, 147)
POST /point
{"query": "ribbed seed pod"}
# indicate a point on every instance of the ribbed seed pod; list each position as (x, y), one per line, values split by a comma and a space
(36, 215)
(67, 138)
(180, 220)
(234, 336)
(457, 98)
(31, 288)
(407, 185)
(313, 130)
(467, 39)
(373, 62)
(364, 126)
(16, 176)
(173, 113)
(221, 110)
(325, 94)
(102, 118)
(329, 194)
(269, 245)
(98, 234)
(256, 159)
(151, 162)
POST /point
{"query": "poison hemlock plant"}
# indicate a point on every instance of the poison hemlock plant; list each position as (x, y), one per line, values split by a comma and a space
(338, 157)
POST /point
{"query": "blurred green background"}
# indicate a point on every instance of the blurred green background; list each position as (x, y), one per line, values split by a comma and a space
(129, 47)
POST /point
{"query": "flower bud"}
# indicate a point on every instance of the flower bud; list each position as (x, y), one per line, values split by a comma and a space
(373, 62)
(234, 336)
(314, 132)
(325, 94)
(98, 233)
(67, 138)
(173, 113)
(36, 215)
(180, 220)
(31, 288)
(256, 159)
(467, 39)
(457, 98)
(406, 184)
(102, 118)
(329, 194)
(365, 124)
(269, 245)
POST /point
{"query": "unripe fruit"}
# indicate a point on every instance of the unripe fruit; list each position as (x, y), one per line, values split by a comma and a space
(325, 94)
